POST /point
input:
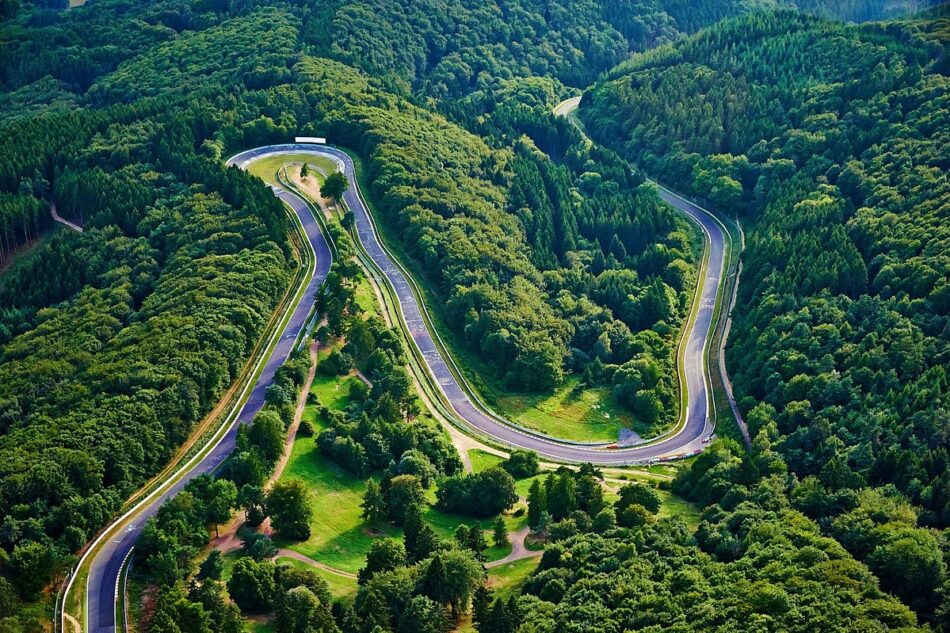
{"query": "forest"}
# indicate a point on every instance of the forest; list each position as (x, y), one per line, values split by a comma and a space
(552, 258)
(835, 157)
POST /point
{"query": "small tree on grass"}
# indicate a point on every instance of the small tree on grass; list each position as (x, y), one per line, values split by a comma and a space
(638, 494)
(334, 186)
(223, 498)
(304, 171)
(537, 503)
(384, 555)
(419, 537)
(289, 509)
(374, 505)
(476, 541)
(211, 567)
(404, 491)
(499, 533)
(461, 535)
(252, 585)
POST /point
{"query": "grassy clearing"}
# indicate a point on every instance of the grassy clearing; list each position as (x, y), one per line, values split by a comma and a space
(506, 581)
(339, 537)
(261, 624)
(266, 168)
(572, 412)
(482, 460)
(680, 508)
(341, 587)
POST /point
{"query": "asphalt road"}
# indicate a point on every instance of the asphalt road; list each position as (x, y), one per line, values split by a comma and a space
(104, 570)
(686, 439)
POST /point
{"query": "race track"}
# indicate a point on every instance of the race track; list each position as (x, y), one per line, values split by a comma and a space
(105, 568)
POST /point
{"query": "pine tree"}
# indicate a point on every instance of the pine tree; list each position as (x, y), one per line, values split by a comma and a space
(537, 503)
(411, 527)
(374, 505)
(476, 541)
(481, 606)
(500, 533)
(562, 499)
(462, 535)
(435, 581)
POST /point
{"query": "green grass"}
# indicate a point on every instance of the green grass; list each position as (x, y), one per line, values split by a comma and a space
(341, 587)
(261, 624)
(482, 460)
(339, 537)
(266, 168)
(507, 579)
(366, 298)
(571, 413)
(674, 506)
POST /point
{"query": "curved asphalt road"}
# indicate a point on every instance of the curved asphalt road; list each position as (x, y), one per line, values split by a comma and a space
(102, 585)
(687, 439)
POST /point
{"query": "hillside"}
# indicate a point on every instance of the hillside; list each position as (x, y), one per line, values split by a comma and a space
(552, 268)
(830, 142)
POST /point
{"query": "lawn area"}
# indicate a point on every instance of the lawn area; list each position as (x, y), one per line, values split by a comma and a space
(674, 506)
(339, 537)
(341, 587)
(569, 413)
(506, 581)
(266, 168)
(482, 460)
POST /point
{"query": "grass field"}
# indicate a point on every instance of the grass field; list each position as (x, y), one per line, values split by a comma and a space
(570, 412)
(339, 537)
(482, 460)
(266, 168)
(341, 587)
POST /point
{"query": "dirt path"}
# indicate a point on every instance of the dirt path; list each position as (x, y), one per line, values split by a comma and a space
(519, 550)
(289, 553)
(73, 622)
(363, 377)
(62, 220)
(298, 415)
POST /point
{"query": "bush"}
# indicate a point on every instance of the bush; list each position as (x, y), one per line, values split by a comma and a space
(482, 494)
(521, 464)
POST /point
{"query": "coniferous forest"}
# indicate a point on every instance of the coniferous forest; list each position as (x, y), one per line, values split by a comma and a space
(822, 128)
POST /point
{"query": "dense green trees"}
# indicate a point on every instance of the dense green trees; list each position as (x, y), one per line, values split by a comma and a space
(288, 507)
(117, 340)
(482, 494)
(831, 141)
(753, 561)
(552, 258)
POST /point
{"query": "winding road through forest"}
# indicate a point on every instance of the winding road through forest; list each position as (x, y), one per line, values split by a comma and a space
(109, 553)
(690, 435)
